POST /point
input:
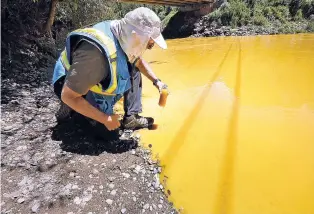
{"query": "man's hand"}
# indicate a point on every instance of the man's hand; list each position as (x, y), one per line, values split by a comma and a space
(160, 85)
(112, 122)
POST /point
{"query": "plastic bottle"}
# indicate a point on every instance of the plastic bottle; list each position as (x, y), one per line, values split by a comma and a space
(163, 97)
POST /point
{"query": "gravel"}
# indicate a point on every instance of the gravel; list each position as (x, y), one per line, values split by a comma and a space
(68, 168)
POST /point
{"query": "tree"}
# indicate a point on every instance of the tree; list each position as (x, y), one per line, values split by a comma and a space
(51, 17)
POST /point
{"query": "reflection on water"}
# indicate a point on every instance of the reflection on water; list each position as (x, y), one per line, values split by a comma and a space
(236, 133)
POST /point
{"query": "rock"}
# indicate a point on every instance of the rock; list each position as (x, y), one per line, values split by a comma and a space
(134, 198)
(35, 207)
(159, 206)
(87, 197)
(154, 206)
(113, 192)
(114, 160)
(111, 186)
(70, 213)
(111, 179)
(101, 187)
(146, 206)
(137, 169)
(126, 175)
(20, 200)
(77, 200)
(133, 152)
(95, 171)
(19, 148)
(72, 174)
(123, 210)
(151, 208)
(74, 186)
(7, 128)
(109, 201)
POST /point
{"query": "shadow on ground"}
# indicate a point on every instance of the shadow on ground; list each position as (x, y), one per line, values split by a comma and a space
(79, 136)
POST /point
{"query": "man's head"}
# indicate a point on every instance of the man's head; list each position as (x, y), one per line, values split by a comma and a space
(145, 21)
(139, 30)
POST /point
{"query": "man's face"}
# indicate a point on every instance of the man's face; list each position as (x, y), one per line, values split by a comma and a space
(150, 44)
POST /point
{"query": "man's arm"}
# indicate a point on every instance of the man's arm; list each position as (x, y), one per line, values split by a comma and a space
(145, 69)
(80, 105)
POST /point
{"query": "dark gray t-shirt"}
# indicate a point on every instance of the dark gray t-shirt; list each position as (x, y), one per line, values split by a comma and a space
(89, 67)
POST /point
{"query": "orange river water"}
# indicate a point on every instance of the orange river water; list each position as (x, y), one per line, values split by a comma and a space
(237, 133)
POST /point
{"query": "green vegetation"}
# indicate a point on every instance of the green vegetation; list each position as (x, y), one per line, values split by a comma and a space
(84, 12)
(263, 12)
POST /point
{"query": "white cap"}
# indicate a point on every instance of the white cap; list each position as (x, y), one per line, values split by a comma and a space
(146, 21)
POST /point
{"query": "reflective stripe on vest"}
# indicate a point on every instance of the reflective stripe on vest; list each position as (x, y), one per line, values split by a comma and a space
(105, 41)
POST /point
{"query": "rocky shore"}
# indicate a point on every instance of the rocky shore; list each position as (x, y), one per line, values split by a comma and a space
(70, 168)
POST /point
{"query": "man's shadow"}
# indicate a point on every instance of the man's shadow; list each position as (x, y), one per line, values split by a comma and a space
(79, 135)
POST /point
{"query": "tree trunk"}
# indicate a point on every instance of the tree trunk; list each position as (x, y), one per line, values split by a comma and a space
(51, 17)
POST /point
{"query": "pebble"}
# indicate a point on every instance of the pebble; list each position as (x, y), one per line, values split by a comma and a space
(126, 175)
(77, 200)
(134, 198)
(111, 179)
(7, 128)
(159, 206)
(74, 187)
(146, 206)
(19, 148)
(114, 160)
(113, 192)
(111, 186)
(109, 201)
(95, 171)
(137, 169)
(151, 208)
(87, 197)
(154, 206)
(133, 151)
(123, 210)
(101, 187)
(35, 207)
(72, 174)
(20, 200)
(70, 212)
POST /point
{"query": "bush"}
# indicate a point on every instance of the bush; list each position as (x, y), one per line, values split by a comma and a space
(235, 14)
(310, 26)
(307, 8)
(260, 20)
(281, 13)
(298, 16)
(166, 20)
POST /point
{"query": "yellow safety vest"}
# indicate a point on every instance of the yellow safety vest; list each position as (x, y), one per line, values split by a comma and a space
(105, 41)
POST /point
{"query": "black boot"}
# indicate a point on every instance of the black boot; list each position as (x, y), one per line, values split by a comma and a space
(135, 121)
(63, 113)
